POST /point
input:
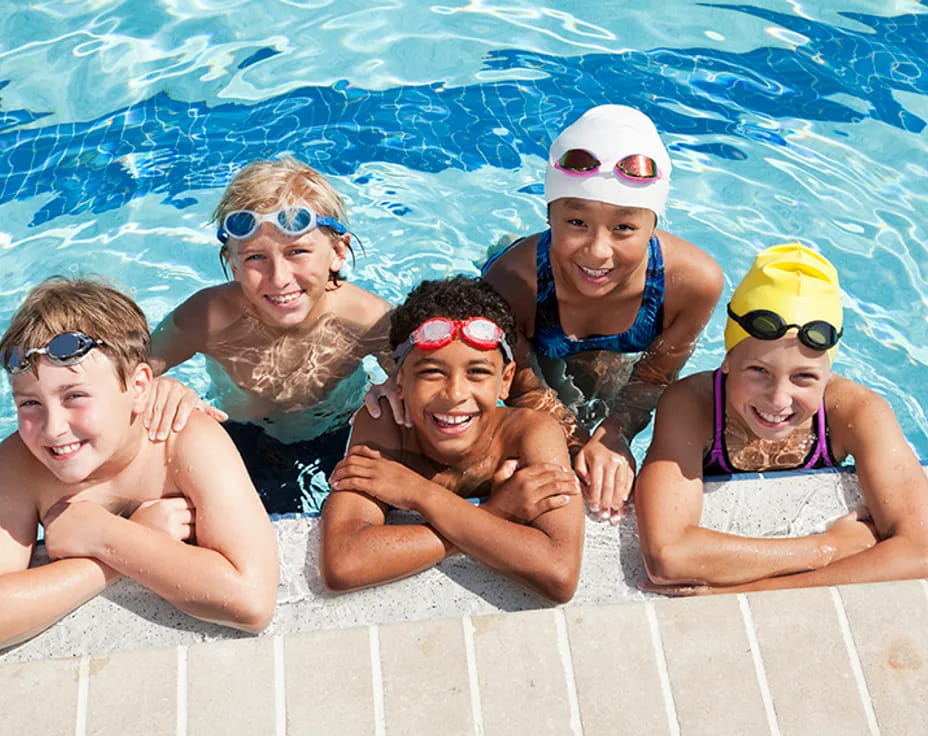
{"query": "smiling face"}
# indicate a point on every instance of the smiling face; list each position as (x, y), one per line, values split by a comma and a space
(774, 386)
(78, 420)
(596, 246)
(285, 277)
(451, 395)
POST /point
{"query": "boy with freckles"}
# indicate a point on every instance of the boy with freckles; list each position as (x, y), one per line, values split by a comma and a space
(451, 341)
(180, 517)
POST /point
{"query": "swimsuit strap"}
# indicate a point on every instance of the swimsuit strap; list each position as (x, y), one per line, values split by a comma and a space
(718, 454)
(821, 453)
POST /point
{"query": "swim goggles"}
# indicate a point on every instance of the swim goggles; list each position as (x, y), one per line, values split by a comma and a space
(636, 167)
(437, 332)
(766, 325)
(292, 221)
(67, 348)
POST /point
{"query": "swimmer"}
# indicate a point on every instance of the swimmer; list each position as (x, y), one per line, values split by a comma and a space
(608, 307)
(284, 340)
(180, 517)
(452, 344)
(775, 404)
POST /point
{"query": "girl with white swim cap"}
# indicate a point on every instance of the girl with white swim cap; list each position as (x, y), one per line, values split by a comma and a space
(608, 306)
(775, 404)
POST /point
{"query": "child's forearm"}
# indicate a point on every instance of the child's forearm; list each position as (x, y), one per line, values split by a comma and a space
(527, 554)
(705, 556)
(36, 598)
(199, 581)
(371, 554)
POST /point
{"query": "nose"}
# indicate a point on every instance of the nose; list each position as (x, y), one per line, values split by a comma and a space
(780, 394)
(455, 387)
(600, 244)
(280, 272)
(55, 422)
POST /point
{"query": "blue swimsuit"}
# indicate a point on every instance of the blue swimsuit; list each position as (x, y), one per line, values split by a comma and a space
(549, 339)
(716, 461)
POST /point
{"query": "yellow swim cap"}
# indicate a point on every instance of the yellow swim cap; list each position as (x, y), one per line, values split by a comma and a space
(794, 282)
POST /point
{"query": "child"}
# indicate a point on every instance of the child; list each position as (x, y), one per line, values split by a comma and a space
(601, 283)
(451, 341)
(776, 405)
(112, 502)
(283, 341)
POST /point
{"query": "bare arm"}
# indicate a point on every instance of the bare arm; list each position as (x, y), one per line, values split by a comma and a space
(230, 577)
(668, 503)
(34, 598)
(183, 332)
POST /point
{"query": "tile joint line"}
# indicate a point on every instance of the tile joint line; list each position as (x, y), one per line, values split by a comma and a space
(854, 660)
(759, 669)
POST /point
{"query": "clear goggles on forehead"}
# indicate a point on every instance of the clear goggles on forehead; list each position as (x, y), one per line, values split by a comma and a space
(437, 332)
(636, 167)
(292, 221)
(67, 348)
(767, 325)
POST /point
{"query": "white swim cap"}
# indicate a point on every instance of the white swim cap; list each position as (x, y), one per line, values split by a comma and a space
(611, 133)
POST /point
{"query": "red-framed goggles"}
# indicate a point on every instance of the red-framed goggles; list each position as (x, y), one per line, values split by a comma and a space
(636, 167)
(292, 221)
(766, 325)
(437, 332)
(66, 348)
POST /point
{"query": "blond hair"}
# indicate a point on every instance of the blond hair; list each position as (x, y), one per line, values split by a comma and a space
(60, 304)
(265, 185)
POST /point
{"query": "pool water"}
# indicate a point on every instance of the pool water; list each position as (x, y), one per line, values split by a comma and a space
(122, 122)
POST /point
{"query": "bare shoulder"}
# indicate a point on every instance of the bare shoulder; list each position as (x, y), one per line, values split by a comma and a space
(684, 413)
(513, 275)
(693, 270)
(695, 392)
(203, 448)
(382, 433)
(359, 306)
(23, 476)
(212, 309)
(533, 436)
(855, 413)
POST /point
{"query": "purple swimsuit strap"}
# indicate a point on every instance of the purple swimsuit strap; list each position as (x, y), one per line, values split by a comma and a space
(821, 444)
(718, 453)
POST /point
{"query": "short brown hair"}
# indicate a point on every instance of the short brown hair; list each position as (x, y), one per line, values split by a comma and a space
(265, 184)
(60, 304)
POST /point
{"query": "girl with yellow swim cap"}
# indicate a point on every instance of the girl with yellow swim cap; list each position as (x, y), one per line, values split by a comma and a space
(775, 404)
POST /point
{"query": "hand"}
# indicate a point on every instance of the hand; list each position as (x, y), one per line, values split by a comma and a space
(386, 390)
(606, 467)
(174, 516)
(72, 528)
(852, 533)
(524, 494)
(366, 470)
(169, 405)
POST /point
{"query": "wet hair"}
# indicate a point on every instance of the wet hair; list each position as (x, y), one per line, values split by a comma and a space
(264, 185)
(60, 304)
(456, 298)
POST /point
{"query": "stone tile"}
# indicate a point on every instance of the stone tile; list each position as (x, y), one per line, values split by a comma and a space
(133, 692)
(523, 689)
(230, 688)
(809, 674)
(615, 669)
(711, 670)
(329, 683)
(425, 679)
(889, 624)
(39, 697)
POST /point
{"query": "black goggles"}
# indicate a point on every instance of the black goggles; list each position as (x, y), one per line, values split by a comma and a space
(766, 325)
(67, 348)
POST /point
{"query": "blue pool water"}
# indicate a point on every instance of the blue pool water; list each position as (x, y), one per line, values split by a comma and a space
(120, 125)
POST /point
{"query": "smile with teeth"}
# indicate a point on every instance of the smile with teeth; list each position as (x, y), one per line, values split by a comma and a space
(773, 418)
(452, 421)
(59, 450)
(282, 299)
(594, 273)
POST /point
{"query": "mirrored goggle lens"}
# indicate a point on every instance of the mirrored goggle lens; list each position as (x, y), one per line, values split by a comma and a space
(240, 224)
(68, 347)
(16, 361)
(576, 159)
(638, 167)
(295, 220)
(482, 331)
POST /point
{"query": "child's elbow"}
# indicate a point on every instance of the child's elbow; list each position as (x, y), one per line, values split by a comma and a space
(560, 585)
(339, 573)
(666, 564)
(256, 612)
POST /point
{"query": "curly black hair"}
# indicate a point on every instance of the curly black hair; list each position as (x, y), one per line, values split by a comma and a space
(456, 298)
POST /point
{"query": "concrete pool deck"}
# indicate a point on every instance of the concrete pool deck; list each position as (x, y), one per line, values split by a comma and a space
(458, 649)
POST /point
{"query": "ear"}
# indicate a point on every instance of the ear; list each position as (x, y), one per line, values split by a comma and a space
(509, 373)
(399, 378)
(232, 261)
(139, 382)
(339, 252)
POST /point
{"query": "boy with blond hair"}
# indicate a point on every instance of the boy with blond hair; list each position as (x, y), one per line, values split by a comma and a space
(180, 517)
(284, 340)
